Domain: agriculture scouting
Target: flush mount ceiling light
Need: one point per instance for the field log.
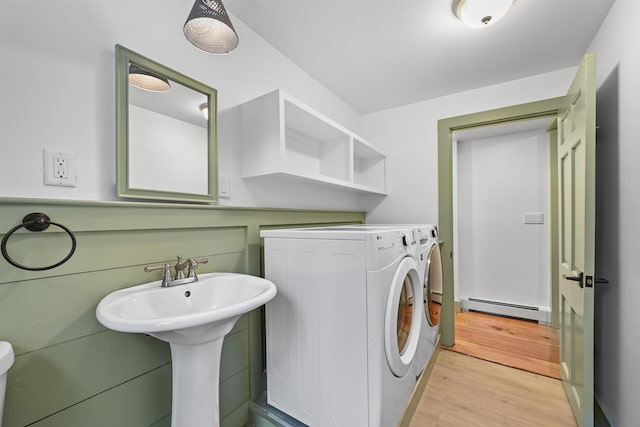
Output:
(204, 109)
(209, 28)
(145, 79)
(481, 13)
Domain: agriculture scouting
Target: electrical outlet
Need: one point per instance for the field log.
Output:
(59, 168)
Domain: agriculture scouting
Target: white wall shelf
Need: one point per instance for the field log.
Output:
(282, 136)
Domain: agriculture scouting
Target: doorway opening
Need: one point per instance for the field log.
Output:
(547, 109)
(503, 178)
(501, 209)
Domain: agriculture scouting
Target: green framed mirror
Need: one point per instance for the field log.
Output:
(165, 132)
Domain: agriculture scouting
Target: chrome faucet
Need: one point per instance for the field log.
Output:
(179, 267)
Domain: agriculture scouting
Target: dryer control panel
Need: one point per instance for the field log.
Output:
(391, 245)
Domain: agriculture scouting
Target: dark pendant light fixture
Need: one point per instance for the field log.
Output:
(209, 28)
(145, 79)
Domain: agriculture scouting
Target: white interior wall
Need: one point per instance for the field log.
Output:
(409, 136)
(500, 258)
(57, 91)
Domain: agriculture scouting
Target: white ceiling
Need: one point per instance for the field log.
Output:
(379, 54)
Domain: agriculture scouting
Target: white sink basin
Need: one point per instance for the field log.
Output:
(193, 318)
(153, 310)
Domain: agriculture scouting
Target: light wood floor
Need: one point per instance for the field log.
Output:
(474, 383)
(512, 342)
(467, 391)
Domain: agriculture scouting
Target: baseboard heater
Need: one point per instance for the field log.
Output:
(436, 296)
(507, 309)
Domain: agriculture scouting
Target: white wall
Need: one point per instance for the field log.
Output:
(617, 207)
(500, 258)
(57, 91)
(409, 136)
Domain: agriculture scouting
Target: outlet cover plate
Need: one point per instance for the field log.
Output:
(59, 168)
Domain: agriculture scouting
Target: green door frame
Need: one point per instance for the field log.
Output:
(446, 127)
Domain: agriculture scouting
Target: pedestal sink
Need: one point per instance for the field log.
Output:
(193, 318)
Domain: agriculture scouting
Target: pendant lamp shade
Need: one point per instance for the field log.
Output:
(145, 79)
(481, 13)
(209, 28)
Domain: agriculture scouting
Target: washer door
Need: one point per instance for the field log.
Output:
(402, 321)
(432, 290)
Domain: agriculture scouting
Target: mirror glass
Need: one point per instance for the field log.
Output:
(166, 132)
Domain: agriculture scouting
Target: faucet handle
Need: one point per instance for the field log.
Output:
(167, 272)
(193, 265)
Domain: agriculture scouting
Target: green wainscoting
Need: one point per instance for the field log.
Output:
(70, 371)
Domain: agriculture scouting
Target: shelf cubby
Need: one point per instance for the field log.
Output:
(282, 136)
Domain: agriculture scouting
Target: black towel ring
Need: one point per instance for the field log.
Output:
(36, 222)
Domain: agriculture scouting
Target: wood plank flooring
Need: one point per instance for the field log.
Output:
(470, 392)
(511, 342)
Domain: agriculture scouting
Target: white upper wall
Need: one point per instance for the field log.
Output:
(57, 91)
(409, 136)
(500, 257)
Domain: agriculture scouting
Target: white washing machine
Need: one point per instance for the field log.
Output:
(429, 264)
(426, 249)
(342, 333)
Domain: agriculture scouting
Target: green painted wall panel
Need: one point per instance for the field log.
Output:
(235, 353)
(164, 422)
(233, 393)
(70, 371)
(48, 380)
(257, 345)
(239, 417)
(128, 405)
(52, 310)
(115, 249)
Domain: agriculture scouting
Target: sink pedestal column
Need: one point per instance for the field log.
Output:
(196, 378)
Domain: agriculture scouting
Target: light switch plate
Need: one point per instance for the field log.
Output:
(534, 218)
(224, 186)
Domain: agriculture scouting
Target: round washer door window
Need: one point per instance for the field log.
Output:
(402, 322)
(433, 286)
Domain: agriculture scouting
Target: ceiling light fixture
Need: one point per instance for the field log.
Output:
(145, 79)
(204, 109)
(209, 28)
(481, 13)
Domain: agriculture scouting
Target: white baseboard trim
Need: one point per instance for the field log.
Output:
(539, 314)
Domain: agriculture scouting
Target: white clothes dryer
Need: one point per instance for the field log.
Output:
(342, 333)
(429, 264)
(424, 244)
